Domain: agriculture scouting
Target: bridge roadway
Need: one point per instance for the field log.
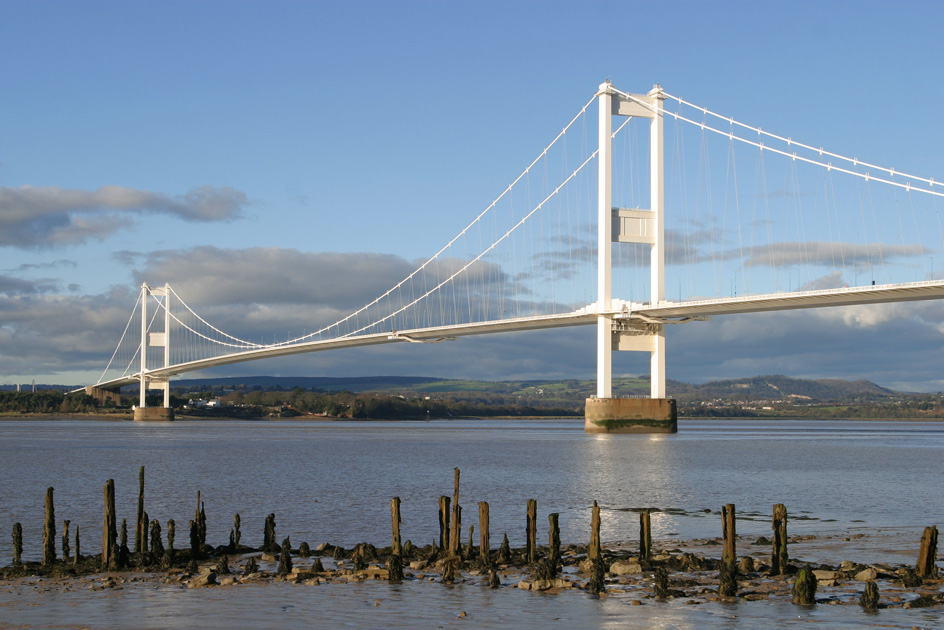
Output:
(664, 312)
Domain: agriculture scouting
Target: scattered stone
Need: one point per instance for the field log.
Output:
(823, 575)
(204, 579)
(625, 567)
(746, 565)
(866, 575)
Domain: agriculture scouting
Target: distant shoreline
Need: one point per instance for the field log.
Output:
(127, 416)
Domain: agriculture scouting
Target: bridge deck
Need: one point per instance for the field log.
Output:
(847, 296)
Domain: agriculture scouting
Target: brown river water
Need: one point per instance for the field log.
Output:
(859, 491)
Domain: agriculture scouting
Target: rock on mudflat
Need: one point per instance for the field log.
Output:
(625, 567)
(866, 575)
(543, 585)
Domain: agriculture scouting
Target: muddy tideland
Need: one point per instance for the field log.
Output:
(777, 578)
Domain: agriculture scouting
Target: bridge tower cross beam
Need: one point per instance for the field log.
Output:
(605, 414)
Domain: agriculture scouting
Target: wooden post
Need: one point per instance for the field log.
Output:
(171, 532)
(140, 529)
(268, 537)
(49, 531)
(804, 588)
(553, 538)
(66, 552)
(18, 544)
(444, 523)
(109, 529)
(728, 531)
(779, 558)
(456, 531)
(237, 535)
(78, 549)
(485, 550)
(926, 568)
(645, 535)
(870, 597)
(470, 550)
(594, 551)
(395, 523)
(531, 533)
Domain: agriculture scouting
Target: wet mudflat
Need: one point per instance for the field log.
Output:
(857, 492)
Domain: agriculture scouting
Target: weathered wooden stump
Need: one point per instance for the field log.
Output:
(140, 528)
(779, 558)
(109, 530)
(926, 567)
(660, 583)
(317, 567)
(171, 532)
(78, 549)
(66, 551)
(285, 558)
(504, 551)
(804, 588)
(157, 546)
(268, 536)
(201, 525)
(222, 565)
(729, 533)
(645, 536)
(49, 531)
(870, 596)
(395, 524)
(594, 551)
(727, 580)
(456, 531)
(485, 549)
(493, 580)
(237, 535)
(195, 548)
(18, 544)
(449, 570)
(553, 540)
(251, 567)
(395, 568)
(470, 550)
(304, 550)
(597, 582)
(123, 535)
(531, 532)
(444, 527)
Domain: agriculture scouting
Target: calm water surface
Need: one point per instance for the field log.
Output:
(332, 482)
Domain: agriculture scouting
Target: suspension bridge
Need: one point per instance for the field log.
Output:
(637, 196)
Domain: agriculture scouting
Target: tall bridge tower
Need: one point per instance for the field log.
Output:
(603, 413)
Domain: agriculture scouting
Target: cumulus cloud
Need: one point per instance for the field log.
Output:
(46, 216)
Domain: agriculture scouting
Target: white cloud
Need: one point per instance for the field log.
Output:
(46, 216)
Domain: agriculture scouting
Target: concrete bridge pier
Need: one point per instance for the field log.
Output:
(630, 415)
(160, 414)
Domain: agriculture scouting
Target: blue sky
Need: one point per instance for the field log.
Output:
(356, 129)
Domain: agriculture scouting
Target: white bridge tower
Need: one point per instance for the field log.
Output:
(605, 414)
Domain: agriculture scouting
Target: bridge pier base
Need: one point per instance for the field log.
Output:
(159, 414)
(630, 415)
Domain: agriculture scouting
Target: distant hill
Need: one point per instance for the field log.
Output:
(564, 392)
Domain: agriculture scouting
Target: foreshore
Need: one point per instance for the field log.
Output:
(687, 571)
